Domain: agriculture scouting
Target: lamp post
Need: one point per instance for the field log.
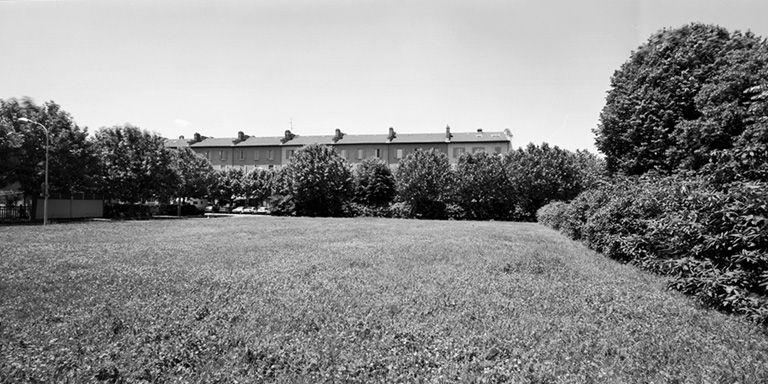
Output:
(45, 192)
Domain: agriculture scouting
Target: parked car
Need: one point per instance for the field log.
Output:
(238, 210)
(225, 209)
(249, 210)
(211, 209)
(262, 211)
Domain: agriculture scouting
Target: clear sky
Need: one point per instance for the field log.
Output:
(539, 68)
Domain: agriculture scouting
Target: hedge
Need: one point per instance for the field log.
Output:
(712, 239)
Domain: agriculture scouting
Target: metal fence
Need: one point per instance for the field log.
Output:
(15, 213)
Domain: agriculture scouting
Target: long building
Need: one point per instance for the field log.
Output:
(246, 151)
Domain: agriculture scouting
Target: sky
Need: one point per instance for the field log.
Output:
(539, 68)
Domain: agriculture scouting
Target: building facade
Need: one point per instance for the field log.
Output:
(250, 152)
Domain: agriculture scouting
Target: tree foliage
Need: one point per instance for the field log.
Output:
(22, 148)
(257, 184)
(134, 165)
(482, 188)
(318, 181)
(680, 98)
(424, 182)
(195, 173)
(374, 183)
(540, 174)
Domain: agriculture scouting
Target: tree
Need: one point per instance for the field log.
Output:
(228, 185)
(482, 188)
(540, 174)
(195, 173)
(374, 183)
(318, 181)
(424, 181)
(134, 165)
(72, 161)
(680, 98)
(257, 184)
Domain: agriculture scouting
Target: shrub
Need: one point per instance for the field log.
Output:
(400, 210)
(362, 210)
(552, 214)
(374, 183)
(424, 181)
(713, 239)
(482, 189)
(318, 181)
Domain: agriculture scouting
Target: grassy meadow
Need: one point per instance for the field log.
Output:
(254, 299)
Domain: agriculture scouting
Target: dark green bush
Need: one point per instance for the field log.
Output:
(374, 183)
(552, 214)
(712, 239)
(318, 180)
(482, 189)
(540, 174)
(424, 181)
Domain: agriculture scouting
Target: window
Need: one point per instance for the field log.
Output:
(360, 154)
(221, 155)
(478, 149)
(378, 153)
(208, 155)
(457, 152)
(289, 154)
(399, 153)
(497, 149)
(242, 154)
(255, 154)
(270, 154)
(344, 154)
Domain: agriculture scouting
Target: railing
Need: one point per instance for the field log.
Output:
(15, 213)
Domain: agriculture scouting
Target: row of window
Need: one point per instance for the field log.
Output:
(457, 152)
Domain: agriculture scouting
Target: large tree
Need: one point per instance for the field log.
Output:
(72, 162)
(374, 183)
(134, 165)
(318, 180)
(257, 184)
(482, 187)
(425, 181)
(195, 172)
(540, 174)
(680, 98)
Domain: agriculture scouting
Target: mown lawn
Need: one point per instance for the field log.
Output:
(370, 300)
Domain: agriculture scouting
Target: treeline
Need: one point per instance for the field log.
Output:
(131, 166)
(318, 182)
(685, 134)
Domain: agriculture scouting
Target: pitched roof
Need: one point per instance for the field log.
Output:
(216, 142)
(363, 139)
(311, 139)
(475, 137)
(176, 143)
(255, 141)
(405, 138)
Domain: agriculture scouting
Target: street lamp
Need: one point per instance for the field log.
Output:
(45, 192)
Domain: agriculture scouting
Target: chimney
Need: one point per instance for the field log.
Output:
(479, 130)
(288, 136)
(448, 134)
(198, 138)
(181, 137)
(338, 136)
(240, 136)
(392, 134)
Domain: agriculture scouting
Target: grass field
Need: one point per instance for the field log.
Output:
(370, 300)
